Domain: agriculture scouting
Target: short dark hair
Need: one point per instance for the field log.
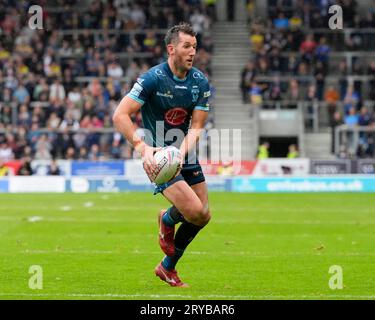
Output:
(173, 33)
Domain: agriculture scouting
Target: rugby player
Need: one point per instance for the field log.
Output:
(176, 93)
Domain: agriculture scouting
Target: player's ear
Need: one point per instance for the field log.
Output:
(170, 49)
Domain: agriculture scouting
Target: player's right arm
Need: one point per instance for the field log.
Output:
(124, 124)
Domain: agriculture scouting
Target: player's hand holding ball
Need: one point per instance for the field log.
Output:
(147, 154)
(160, 164)
(169, 164)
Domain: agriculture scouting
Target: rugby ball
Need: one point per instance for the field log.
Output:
(168, 164)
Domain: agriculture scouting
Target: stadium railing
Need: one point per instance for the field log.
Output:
(349, 137)
(312, 110)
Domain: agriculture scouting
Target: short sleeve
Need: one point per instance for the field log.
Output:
(204, 95)
(142, 88)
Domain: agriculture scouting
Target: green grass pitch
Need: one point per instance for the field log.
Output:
(257, 246)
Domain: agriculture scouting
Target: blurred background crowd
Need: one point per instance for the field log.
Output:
(294, 57)
(59, 85)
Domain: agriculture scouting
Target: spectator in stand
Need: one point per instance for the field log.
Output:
(199, 23)
(307, 48)
(365, 138)
(82, 154)
(292, 152)
(4, 170)
(364, 117)
(115, 71)
(57, 91)
(5, 116)
(25, 168)
(371, 72)
(263, 151)
(21, 95)
(351, 99)
(331, 97)
(294, 94)
(70, 153)
(322, 52)
(281, 22)
(256, 97)
(337, 120)
(247, 77)
(115, 151)
(40, 89)
(43, 148)
(54, 169)
(6, 153)
(94, 153)
(352, 118)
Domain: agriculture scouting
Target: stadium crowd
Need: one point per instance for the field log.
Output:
(291, 63)
(59, 85)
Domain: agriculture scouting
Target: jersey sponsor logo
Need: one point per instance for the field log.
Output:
(195, 94)
(197, 75)
(175, 116)
(159, 73)
(136, 90)
(165, 95)
(206, 94)
(180, 87)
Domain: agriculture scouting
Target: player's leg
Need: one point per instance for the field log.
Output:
(179, 194)
(188, 209)
(190, 227)
(186, 199)
(186, 202)
(195, 211)
(201, 191)
(169, 218)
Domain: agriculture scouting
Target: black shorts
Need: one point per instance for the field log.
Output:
(191, 173)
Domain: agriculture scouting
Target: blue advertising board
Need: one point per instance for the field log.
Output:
(4, 185)
(114, 184)
(306, 184)
(98, 168)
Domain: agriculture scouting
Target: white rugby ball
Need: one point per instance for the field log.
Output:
(168, 164)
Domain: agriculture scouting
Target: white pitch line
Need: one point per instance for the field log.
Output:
(210, 296)
(70, 251)
(151, 206)
(221, 221)
(215, 253)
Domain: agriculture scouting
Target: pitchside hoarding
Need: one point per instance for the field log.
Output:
(98, 168)
(365, 166)
(330, 166)
(3, 185)
(348, 183)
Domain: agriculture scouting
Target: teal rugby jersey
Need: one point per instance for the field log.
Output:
(169, 101)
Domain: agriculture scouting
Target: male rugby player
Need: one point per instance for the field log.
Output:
(176, 93)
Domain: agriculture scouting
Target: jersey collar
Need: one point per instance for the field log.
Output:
(172, 74)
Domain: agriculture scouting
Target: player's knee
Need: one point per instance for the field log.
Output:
(205, 217)
(201, 216)
(192, 212)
